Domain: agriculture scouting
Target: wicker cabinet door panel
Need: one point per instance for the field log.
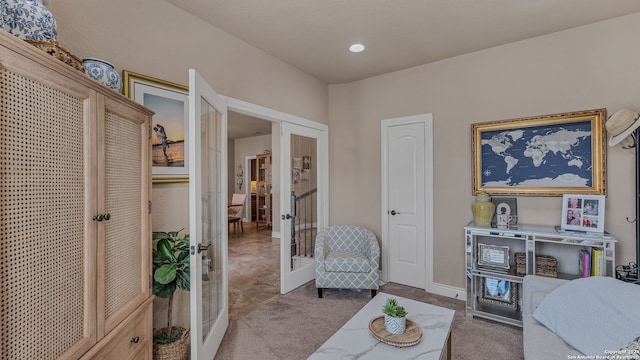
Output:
(47, 295)
(124, 245)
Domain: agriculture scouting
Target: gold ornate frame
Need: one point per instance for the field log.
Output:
(595, 118)
(130, 81)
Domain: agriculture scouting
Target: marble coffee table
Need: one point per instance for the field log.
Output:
(354, 341)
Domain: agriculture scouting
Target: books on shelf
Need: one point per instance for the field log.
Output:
(592, 262)
(597, 262)
(585, 262)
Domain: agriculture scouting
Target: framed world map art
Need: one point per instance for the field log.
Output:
(547, 155)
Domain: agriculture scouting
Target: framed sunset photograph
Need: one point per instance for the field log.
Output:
(169, 135)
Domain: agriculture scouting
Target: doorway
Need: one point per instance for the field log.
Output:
(254, 253)
(279, 172)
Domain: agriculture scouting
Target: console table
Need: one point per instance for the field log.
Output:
(494, 287)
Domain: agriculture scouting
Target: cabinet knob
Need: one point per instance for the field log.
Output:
(135, 339)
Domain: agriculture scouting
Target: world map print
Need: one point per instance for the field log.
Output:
(541, 156)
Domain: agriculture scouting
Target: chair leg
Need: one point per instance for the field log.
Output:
(373, 293)
(320, 293)
(241, 225)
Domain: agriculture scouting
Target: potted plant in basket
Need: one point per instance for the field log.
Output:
(170, 272)
(395, 317)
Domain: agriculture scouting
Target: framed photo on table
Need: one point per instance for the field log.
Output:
(499, 292)
(493, 256)
(582, 213)
(547, 155)
(507, 206)
(169, 140)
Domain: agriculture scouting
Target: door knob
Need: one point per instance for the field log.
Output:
(201, 248)
(393, 212)
(286, 217)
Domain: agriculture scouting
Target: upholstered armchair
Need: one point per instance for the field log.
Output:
(347, 257)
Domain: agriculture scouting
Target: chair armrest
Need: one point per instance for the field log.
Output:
(373, 250)
(320, 249)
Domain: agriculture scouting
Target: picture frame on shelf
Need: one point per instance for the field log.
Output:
(499, 292)
(546, 155)
(583, 213)
(507, 206)
(169, 140)
(493, 256)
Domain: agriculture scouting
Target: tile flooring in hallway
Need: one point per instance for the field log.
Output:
(254, 269)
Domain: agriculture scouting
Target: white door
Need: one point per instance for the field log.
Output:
(303, 199)
(207, 217)
(407, 201)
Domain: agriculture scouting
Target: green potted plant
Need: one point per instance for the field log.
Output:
(170, 272)
(395, 317)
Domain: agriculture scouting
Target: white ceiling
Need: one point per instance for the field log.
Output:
(313, 35)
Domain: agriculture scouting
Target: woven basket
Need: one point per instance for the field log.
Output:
(177, 350)
(545, 265)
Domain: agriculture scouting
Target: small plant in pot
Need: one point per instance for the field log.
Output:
(170, 272)
(395, 317)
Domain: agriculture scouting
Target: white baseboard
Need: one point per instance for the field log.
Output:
(449, 291)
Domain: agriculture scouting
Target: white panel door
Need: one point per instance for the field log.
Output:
(405, 200)
(207, 217)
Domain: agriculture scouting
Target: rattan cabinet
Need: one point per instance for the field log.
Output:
(75, 234)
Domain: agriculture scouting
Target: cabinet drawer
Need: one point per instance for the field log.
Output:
(128, 339)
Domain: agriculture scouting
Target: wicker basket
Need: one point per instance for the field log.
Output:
(54, 49)
(545, 265)
(177, 350)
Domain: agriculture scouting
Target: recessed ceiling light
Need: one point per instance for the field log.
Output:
(356, 48)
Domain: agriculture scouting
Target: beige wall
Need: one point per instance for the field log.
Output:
(590, 67)
(155, 38)
(595, 66)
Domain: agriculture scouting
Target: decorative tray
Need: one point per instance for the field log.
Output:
(412, 334)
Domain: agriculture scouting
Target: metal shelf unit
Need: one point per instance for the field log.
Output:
(531, 240)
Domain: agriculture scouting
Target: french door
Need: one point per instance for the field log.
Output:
(207, 217)
(303, 199)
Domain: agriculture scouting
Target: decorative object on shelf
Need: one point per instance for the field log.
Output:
(395, 317)
(493, 256)
(170, 102)
(54, 49)
(545, 155)
(28, 20)
(412, 334)
(582, 213)
(170, 272)
(482, 209)
(504, 203)
(102, 72)
(546, 265)
(239, 179)
(267, 151)
(499, 292)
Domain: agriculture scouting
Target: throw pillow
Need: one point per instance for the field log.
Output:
(595, 315)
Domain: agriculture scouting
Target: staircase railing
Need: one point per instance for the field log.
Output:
(303, 226)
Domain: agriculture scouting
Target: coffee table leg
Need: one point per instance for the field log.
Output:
(449, 347)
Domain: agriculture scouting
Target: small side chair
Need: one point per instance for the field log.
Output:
(347, 257)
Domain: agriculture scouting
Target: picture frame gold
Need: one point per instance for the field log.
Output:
(547, 155)
(170, 102)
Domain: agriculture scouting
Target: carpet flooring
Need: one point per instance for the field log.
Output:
(267, 326)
